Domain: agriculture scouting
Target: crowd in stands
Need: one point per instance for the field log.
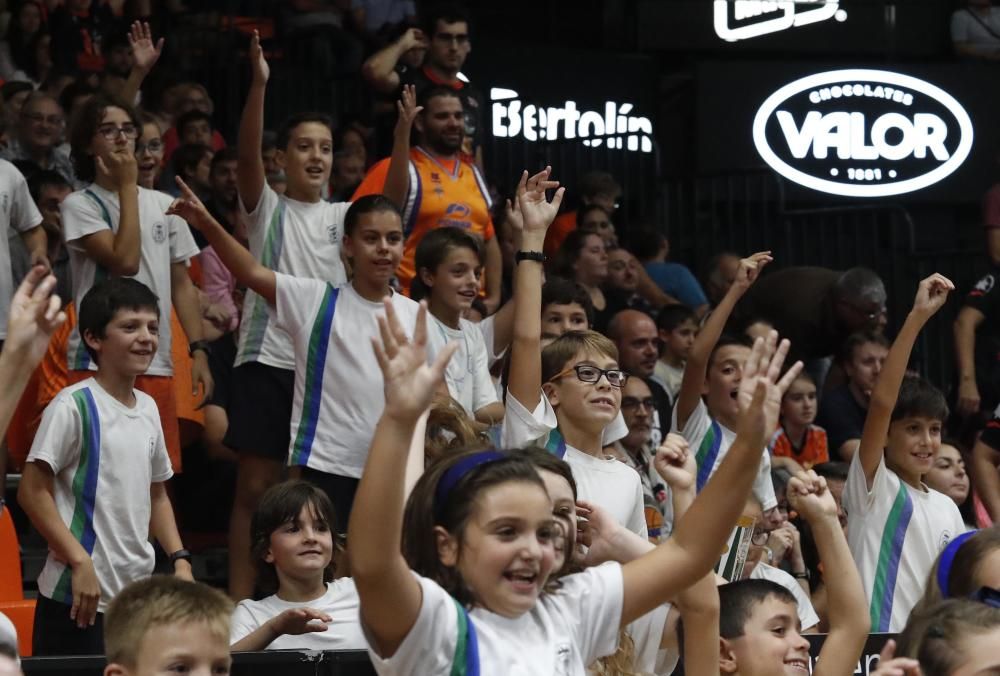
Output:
(465, 431)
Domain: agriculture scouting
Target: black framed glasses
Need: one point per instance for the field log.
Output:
(630, 403)
(152, 146)
(588, 373)
(110, 132)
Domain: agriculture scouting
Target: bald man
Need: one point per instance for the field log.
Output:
(635, 335)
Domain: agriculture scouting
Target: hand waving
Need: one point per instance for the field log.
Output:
(410, 383)
(407, 109)
(537, 213)
(750, 268)
(761, 389)
(34, 315)
(145, 53)
(258, 64)
(932, 295)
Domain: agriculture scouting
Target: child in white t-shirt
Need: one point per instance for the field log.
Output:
(449, 263)
(896, 525)
(677, 327)
(337, 389)
(293, 545)
(714, 369)
(478, 548)
(93, 485)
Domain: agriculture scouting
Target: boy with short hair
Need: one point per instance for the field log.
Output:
(195, 127)
(93, 485)
(714, 369)
(677, 326)
(567, 397)
(296, 234)
(156, 623)
(758, 622)
(337, 399)
(566, 306)
(896, 525)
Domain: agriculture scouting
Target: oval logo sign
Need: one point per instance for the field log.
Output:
(862, 133)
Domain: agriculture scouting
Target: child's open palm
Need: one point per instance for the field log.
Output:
(295, 621)
(932, 294)
(410, 382)
(761, 377)
(537, 213)
(145, 53)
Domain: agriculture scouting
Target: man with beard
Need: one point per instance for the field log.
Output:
(443, 188)
(222, 188)
(39, 132)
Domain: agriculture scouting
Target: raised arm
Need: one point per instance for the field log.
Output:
(697, 363)
(250, 173)
(397, 177)
(119, 252)
(964, 328)
(145, 54)
(247, 270)
(847, 605)
(700, 535)
(380, 68)
(390, 595)
(931, 296)
(525, 383)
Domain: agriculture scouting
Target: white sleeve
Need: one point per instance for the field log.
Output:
(487, 328)
(857, 498)
(637, 520)
(429, 647)
(484, 393)
(160, 460)
(242, 623)
(647, 635)
(522, 427)
(763, 486)
(57, 442)
(807, 614)
(182, 244)
(295, 301)
(594, 598)
(696, 425)
(24, 214)
(81, 216)
(257, 220)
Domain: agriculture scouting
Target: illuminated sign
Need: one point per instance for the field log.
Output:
(862, 133)
(616, 127)
(742, 19)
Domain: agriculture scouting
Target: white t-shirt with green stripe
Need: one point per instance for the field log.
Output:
(17, 214)
(339, 393)
(895, 532)
(104, 456)
(163, 241)
(295, 238)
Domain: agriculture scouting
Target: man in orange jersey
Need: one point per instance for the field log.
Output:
(440, 187)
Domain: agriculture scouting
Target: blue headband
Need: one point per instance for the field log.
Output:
(947, 558)
(456, 472)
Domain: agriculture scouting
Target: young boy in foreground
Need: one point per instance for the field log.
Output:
(165, 625)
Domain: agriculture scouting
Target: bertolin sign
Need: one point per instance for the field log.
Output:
(741, 19)
(614, 123)
(862, 133)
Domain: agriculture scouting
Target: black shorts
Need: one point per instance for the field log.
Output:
(260, 411)
(54, 633)
(341, 491)
(220, 362)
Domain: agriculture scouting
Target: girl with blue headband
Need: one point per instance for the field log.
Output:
(468, 593)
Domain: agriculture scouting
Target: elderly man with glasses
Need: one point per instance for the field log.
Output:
(39, 134)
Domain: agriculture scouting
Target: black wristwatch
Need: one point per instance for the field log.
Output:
(537, 256)
(202, 345)
(180, 554)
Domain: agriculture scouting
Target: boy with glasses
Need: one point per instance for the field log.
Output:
(567, 397)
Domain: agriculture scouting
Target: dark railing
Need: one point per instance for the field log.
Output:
(266, 663)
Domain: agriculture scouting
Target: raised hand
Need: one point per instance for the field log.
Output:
(750, 268)
(407, 110)
(809, 496)
(121, 167)
(34, 316)
(763, 367)
(410, 383)
(145, 53)
(932, 295)
(189, 207)
(597, 531)
(888, 665)
(537, 213)
(295, 621)
(413, 38)
(258, 64)
(675, 462)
